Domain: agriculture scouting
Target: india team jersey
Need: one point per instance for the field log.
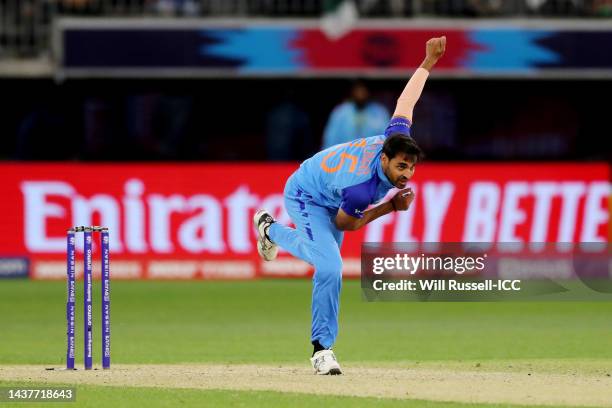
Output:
(349, 175)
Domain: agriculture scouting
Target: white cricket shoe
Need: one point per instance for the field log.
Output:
(266, 248)
(324, 363)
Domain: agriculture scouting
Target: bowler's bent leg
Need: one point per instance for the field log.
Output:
(320, 248)
(316, 241)
(294, 240)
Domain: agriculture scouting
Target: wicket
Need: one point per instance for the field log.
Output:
(87, 296)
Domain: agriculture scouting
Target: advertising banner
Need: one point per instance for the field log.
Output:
(194, 221)
(161, 48)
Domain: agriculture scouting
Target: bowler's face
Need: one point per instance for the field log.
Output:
(400, 169)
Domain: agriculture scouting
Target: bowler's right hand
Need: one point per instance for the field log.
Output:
(402, 199)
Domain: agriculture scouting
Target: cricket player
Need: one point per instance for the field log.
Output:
(330, 193)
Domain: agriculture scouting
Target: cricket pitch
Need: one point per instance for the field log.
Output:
(516, 385)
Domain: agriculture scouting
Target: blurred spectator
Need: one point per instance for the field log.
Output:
(177, 7)
(158, 125)
(519, 133)
(602, 8)
(556, 7)
(288, 131)
(143, 126)
(99, 128)
(139, 121)
(358, 117)
(78, 7)
(172, 120)
(45, 133)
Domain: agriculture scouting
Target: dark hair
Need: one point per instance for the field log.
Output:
(400, 143)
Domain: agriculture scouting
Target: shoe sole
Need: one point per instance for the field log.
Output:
(261, 253)
(259, 244)
(255, 218)
(333, 371)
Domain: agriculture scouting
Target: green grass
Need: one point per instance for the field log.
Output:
(269, 321)
(98, 396)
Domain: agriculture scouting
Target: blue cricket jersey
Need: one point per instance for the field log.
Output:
(349, 175)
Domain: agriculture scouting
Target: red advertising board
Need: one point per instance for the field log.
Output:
(193, 221)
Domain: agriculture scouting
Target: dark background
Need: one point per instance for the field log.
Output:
(230, 119)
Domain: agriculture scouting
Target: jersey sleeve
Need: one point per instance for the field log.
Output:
(355, 200)
(398, 125)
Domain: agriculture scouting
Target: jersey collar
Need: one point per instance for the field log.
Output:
(381, 174)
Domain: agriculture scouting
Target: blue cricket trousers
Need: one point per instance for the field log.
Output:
(317, 241)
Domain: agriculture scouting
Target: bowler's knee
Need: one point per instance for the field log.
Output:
(328, 267)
